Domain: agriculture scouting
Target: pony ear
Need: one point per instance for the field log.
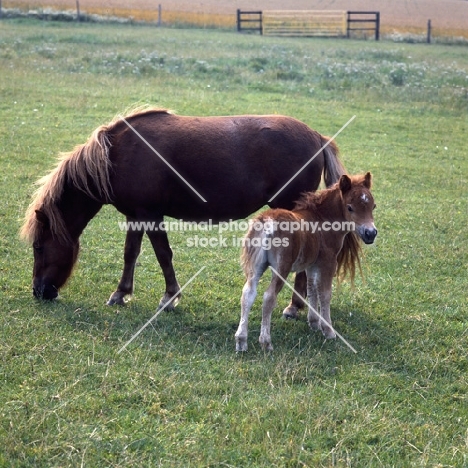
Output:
(368, 180)
(345, 183)
(42, 218)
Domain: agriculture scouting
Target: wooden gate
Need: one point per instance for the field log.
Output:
(304, 23)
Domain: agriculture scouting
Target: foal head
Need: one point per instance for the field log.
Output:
(53, 260)
(359, 204)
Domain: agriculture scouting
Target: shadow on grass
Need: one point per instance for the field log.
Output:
(195, 328)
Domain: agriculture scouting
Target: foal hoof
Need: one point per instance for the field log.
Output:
(117, 298)
(241, 346)
(290, 312)
(329, 334)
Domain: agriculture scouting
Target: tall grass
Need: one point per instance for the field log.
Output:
(178, 395)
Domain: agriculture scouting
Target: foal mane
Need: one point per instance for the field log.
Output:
(349, 256)
(86, 168)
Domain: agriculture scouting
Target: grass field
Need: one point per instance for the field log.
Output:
(179, 395)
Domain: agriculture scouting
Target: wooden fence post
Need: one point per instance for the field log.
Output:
(428, 31)
(159, 15)
(78, 11)
(377, 25)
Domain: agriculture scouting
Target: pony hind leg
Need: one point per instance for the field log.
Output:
(249, 293)
(269, 303)
(131, 251)
(297, 300)
(163, 252)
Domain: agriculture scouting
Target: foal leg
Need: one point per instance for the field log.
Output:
(324, 295)
(269, 303)
(131, 252)
(313, 315)
(249, 292)
(163, 252)
(297, 302)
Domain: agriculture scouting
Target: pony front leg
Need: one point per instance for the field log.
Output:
(249, 292)
(313, 315)
(163, 252)
(132, 250)
(324, 295)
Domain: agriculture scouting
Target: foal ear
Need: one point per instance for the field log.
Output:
(345, 183)
(368, 180)
(42, 217)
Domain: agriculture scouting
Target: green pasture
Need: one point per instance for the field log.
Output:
(178, 395)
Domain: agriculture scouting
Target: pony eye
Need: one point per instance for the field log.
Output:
(350, 208)
(38, 248)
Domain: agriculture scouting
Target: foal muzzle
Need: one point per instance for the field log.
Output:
(368, 235)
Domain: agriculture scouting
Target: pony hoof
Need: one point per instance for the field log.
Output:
(166, 303)
(117, 298)
(266, 345)
(315, 326)
(290, 312)
(329, 334)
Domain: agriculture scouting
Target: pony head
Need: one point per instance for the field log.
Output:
(53, 259)
(359, 204)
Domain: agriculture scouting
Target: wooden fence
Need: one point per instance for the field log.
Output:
(309, 23)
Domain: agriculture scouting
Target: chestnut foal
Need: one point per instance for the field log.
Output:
(309, 238)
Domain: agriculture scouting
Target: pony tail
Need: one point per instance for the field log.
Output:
(333, 168)
(253, 256)
(349, 258)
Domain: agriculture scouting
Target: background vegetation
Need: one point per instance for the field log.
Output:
(400, 21)
(179, 395)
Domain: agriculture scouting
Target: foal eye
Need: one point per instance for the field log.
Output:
(350, 208)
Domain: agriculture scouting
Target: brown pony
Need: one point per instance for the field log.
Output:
(152, 163)
(309, 239)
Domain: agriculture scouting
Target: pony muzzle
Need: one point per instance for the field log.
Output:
(368, 234)
(43, 292)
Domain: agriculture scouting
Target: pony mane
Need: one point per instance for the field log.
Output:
(310, 200)
(86, 168)
(349, 256)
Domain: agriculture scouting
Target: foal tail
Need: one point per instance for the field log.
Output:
(333, 168)
(254, 257)
(349, 256)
